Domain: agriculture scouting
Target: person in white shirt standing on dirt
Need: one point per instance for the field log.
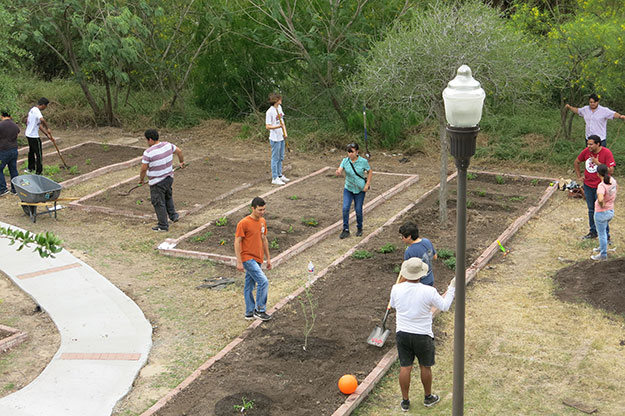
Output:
(34, 122)
(274, 122)
(157, 164)
(596, 117)
(413, 302)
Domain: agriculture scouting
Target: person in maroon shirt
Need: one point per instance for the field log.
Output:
(592, 156)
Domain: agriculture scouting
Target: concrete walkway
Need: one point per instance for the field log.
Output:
(105, 338)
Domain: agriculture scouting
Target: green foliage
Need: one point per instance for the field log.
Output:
(221, 221)
(51, 171)
(362, 254)
(396, 268)
(73, 170)
(273, 244)
(387, 248)
(481, 193)
(202, 237)
(311, 222)
(246, 405)
(534, 182)
(450, 263)
(500, 179)
(519, 198)
(471, 176)
(88, 162)
(445, 253)
(46, 243)
(293, 197)
(470, 204)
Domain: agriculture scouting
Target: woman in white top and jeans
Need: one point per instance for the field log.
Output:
(604, 209)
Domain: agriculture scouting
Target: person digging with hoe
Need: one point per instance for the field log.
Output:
(413, 302)
(34, 122)
(157, 164)
(251, 247)
(592, 156)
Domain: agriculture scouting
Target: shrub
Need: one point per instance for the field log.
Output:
(445, 253)
(450, 263)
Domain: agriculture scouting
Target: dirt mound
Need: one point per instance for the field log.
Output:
(598, 283)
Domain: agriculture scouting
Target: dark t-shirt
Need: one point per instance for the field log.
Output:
(8, 134)
(423, 250)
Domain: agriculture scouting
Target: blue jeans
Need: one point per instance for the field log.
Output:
(277, 156)
(8, 158)
(254, 276)
(359, 200)
(591, 197)
(601, 220)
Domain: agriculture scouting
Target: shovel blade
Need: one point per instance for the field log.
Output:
(378, 336)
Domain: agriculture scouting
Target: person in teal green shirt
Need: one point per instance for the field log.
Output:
(357, 183)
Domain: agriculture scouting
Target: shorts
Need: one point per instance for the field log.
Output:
(410, 346)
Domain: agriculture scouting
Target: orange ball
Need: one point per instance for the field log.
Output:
(348, 384)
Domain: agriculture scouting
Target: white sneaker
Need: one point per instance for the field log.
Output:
(277, 181)
(284, 179)
(598, 257)
(598, 250)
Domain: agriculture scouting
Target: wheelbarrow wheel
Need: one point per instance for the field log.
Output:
(29, 210)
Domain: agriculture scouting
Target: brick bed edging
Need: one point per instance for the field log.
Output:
(365, 387)
(13, 340)
(97, 172)
(78, 204)
(168, 247)
(44, 144)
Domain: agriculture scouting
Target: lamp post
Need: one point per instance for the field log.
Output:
(463, 100)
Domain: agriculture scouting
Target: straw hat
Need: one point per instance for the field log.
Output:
(414, 269)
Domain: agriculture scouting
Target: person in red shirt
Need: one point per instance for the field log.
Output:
(592, 156)
(251, 247)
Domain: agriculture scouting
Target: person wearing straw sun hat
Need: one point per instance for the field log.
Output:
(413, 302)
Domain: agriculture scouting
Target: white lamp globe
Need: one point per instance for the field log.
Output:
(464, 99)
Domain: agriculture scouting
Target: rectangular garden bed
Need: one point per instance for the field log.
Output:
(203, 182)
(87, 160)
(10, 337)
(298, 215)
(267, 364)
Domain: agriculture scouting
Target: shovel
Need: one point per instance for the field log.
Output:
(378, 336)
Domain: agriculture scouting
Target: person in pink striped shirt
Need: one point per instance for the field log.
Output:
(157, 164)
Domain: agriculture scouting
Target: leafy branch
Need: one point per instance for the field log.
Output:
(47, 244)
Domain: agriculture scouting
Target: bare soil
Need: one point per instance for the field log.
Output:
(87, 158)
(202, 181)
(597, 283)
(350, 300)
(298, 212)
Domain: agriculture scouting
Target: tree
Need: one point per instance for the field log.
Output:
(317, 40)
(178, 34)
(96, 39)
(409, 69)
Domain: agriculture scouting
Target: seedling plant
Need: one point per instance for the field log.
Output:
(202, 237)
(471, 176)
(362, 254)
(273, 244)
(246, 405)
(221, 221)
(293, 197)
(500, 179)
(387, 248)
(311, 222)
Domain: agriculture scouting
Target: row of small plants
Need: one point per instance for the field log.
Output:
(446, 255)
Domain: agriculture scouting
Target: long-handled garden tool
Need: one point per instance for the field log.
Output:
(283, 127)
(378, 336)
(59, 152)
(364, 122)
(141, 184)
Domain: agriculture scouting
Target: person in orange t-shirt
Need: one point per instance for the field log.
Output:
(251, 247)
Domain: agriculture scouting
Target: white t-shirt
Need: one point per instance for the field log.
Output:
(413, 303)
(271, 118)
(32, 125)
